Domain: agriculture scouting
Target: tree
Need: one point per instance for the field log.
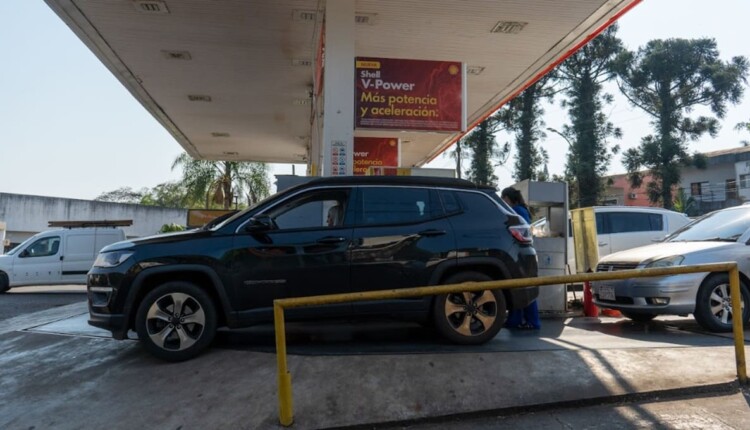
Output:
(219, 182)
(667, 79)
(582, 76)
(169, 195)
(482, 146)
(122, 195)
(523, 115)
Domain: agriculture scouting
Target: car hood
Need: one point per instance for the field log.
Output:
(156, 239)
(668, 249)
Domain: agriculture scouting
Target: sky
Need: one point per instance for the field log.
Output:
(68, 128)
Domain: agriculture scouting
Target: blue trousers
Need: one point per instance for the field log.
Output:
(528, 315)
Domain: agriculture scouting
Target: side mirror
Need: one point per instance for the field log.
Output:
(260, 223)
(24, 253)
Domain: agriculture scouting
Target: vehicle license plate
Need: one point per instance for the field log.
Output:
(606, 292)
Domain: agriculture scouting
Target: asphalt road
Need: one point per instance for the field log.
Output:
(25, 300)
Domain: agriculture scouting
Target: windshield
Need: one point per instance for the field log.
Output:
(218, 224)
(724, 225)
(21, 246)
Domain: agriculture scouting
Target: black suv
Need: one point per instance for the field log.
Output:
(330, 235)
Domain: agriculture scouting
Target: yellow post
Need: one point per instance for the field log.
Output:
(286, 415)
(739, 333)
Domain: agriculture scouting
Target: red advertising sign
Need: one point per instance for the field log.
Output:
(374, 151)
(409, 94)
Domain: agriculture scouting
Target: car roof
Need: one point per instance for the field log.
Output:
(397, 180)
(611, 208)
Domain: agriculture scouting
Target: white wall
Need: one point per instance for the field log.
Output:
(26, 215)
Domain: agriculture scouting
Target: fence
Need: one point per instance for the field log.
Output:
(286, 416)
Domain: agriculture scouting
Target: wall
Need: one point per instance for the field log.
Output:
(26, 215)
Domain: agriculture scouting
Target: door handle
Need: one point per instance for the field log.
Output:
(62, 257)
(331, 239)
(431, 232)
(602, 243)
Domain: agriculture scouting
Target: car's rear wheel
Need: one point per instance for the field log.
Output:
(713, 306)
(176, 321)
(638, 316)
(469, 318)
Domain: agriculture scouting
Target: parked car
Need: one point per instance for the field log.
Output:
(58, 256)
(330, 235)
(720, 236)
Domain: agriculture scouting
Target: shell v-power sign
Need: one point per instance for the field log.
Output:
(398, 94)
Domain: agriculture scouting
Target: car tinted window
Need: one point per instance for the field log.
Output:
(450, 203)
(727, 225)
(314, 209)
(395, 205)
(628, 222)
(478, 205)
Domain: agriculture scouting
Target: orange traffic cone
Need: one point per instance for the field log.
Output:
(589, 308)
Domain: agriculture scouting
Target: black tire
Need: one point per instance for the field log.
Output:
(713, 306)
(638, 317)
(4, 283)
(180, 340)
(461, 319)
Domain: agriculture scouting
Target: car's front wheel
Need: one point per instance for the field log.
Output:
(469, 318)
(176, 321)
(713, 305)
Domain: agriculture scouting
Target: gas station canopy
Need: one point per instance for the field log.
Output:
(235, 79)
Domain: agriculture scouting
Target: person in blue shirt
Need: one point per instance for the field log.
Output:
(528, 317)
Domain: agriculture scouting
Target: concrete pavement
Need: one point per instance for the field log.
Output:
(59, 373)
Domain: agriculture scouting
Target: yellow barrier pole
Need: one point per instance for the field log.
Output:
(286, 415)
(285, 380)
(739, 333)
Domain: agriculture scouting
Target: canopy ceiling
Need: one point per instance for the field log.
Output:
(231, 79)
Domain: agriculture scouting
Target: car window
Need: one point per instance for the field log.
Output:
(629, 222)
(726, 225)
(450, 203)
(44, 247)
(479, 205)
(314, 209)
(396, 205)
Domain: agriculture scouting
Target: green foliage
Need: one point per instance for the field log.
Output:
(223, 183)
(668, 79)
(581, 77)
(482, 146)
(168, 228)
(523, 116)
(684, 203)
(123, 195)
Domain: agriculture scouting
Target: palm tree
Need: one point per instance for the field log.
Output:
(219, 182)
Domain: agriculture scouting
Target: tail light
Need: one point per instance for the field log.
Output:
(521, 233)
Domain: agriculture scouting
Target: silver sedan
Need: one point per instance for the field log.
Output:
(720, 236)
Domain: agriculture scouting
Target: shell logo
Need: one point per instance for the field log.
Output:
(453, 69)
(392, 142)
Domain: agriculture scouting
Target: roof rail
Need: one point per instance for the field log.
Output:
(93, 223)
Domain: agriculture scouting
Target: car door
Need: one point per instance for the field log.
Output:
(400, 238)
(303, 252)
(39, 263)
(78, 256)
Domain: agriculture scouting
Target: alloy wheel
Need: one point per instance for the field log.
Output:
(175, 321)
(471, 314)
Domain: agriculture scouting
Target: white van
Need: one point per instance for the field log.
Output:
(624, 227)
(61, 256)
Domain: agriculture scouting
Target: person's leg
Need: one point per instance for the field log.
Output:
(515, 318)
(531, 315)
